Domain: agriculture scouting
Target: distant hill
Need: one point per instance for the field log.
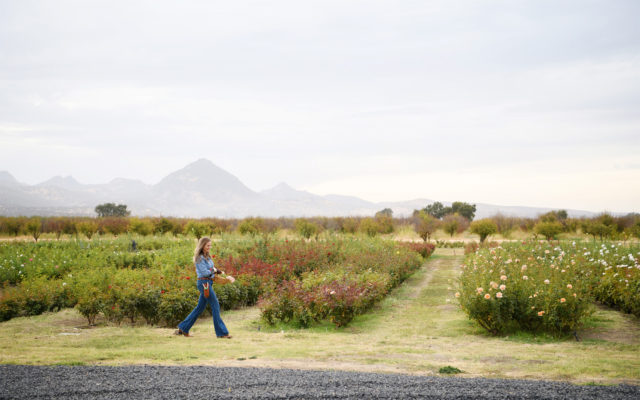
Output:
(202, 189)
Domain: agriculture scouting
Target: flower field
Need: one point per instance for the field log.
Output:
(333, 279)
(547, 286)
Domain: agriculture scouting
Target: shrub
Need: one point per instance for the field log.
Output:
(369, 226)
(426, 225)
(548, 229)
(10, 303)
(197, 229)
(87, 228)
(305, 228)
(175, 305)
(483, 228)
(424, 249)
(142, 227)
(533, 287)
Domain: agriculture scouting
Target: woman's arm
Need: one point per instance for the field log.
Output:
(204, 268)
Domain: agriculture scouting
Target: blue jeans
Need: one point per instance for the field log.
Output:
(218, 325)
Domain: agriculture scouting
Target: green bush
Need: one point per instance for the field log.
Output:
(483, 228)
(532, 286)
(176, 305)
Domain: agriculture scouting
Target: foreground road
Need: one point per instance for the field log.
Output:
(158, 382)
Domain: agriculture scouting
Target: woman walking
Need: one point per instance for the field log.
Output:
(205, 271)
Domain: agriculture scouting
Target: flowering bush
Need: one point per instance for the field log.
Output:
(530, 287)
(370, 270)
(546, 286)
(423, 248)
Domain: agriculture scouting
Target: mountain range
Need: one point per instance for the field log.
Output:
(202, 189)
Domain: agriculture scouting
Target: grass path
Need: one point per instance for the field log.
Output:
(416, 330)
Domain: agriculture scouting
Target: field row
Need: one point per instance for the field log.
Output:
(293, 281)
(548, 286)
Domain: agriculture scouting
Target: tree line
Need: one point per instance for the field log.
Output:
(115, 220)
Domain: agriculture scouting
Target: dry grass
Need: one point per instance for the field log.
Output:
(415, 330)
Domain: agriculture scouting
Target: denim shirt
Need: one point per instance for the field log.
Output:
(204, 267)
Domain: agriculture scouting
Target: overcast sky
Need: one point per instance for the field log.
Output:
(532, 103)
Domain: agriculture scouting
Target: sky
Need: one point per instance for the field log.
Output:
(515, 102)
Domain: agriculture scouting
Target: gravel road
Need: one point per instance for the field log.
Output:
(160, 382)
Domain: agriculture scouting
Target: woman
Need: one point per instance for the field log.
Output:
(205, 271)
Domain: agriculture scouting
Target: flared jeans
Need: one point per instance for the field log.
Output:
(218, 325)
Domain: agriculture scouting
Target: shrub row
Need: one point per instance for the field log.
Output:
(367, 272)
(541, 286)
(157, 285)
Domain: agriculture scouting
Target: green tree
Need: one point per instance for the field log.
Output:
(196, 228)
(387, 212)
(369, 226)
(306, 228)
(14, 226)
(465, 209)
(349, 225)
(70, 227)
(425, 225)
(251, 226)
(437, 210)
(178, 228)
(141, 226)
(34, 227)
(548, 229)
(87, 228)
(483, 228)
(112, 210)
(162, 226)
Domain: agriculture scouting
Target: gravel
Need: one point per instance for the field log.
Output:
(199, 382)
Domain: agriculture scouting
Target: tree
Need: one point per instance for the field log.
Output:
(178, 228)
(505, 224)
(465, 209)
(454, 223)
(196, 228)
(113, 225)
(483, 228)
(162, 226)
(251, 226)
(54, 225)
(437, 210)
(548, 229)
(426, 225)
(87, 228)
(385, 223)
(369, 226)
(141, 226)
(112, 210)
(70, 228)
(635, 229)
(562, 215)
(387, 212)
(34, 227)
(13, 226)
(306, 228)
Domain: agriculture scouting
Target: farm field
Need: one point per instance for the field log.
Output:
(418, 329)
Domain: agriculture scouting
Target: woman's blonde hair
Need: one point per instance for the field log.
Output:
(198, 252)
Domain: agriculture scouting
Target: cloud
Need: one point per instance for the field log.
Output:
(328, 95)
